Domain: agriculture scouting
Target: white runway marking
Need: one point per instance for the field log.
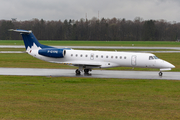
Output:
(94, 73)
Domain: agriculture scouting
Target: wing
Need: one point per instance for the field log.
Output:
(88, 64)
(85, 64)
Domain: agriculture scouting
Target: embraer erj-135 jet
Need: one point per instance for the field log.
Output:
(87, 60)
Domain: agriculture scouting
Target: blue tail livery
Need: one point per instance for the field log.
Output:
(29, 39)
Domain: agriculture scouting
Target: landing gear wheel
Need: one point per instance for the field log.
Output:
(78, 72)
(86, 71)
(160, 73)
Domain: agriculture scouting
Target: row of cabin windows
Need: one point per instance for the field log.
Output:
(101, 56)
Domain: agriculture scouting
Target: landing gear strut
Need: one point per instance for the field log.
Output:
(160, 73)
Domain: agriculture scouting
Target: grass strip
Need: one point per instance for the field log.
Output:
(23, 49)
(88, 98)
(99, 43)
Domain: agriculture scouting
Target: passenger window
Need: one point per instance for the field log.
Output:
(125, 57)
(71, 55)
(76, 55)
(106, 56)
(120, 57)
(111, 56)
(81, 55)
(101, 56)
(116, 57)
(96, 56)
(86, 55)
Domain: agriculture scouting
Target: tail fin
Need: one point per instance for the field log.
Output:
(29, 39)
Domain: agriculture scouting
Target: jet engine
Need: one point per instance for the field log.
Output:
(52, 52)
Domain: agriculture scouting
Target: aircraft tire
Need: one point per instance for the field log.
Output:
(160, 73)
(86, 71)
(78, 72)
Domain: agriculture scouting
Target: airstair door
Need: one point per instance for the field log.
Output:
(133, 60)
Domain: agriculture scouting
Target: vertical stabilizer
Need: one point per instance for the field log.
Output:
(30, 40)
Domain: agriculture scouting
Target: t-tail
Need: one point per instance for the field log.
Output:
(34, 48)
(30, 40)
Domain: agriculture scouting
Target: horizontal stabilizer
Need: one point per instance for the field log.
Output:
(21, 31)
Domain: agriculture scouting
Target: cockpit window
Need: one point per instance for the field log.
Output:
(153, 57)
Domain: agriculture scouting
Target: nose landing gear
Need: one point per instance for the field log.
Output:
(160, 73)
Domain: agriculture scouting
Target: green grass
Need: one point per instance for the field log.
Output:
(98, 43)
(23, 60)
(88, 98)
(127, 49)
(12, 49)
(23, 49)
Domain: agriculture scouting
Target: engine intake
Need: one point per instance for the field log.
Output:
(52, 52)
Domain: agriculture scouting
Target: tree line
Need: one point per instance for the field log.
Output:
(98, 30)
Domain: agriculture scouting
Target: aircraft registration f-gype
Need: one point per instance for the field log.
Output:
(87, 60)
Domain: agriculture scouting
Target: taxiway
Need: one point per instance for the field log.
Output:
(93, 74)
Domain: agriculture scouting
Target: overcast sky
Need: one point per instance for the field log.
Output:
(76, 9)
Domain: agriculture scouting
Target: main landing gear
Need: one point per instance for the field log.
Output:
(78, 72)
(86, 71)
(160, 73)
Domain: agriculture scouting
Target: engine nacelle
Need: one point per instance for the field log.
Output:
(52, 52)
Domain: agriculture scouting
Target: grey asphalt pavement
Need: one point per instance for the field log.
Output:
(94, 74)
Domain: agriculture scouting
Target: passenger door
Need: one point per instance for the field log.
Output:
(133, 60)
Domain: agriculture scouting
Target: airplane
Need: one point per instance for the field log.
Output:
(86, 60)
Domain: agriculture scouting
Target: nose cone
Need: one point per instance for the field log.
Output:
(169, 65)
(166, 64)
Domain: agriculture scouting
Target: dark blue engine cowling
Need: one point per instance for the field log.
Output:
(52, 52)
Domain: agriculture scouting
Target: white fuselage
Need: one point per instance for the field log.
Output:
(106, 59)
(86, 60)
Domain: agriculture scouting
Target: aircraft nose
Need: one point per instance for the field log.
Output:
(164, 64)
(168, 65)
(172, 66)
